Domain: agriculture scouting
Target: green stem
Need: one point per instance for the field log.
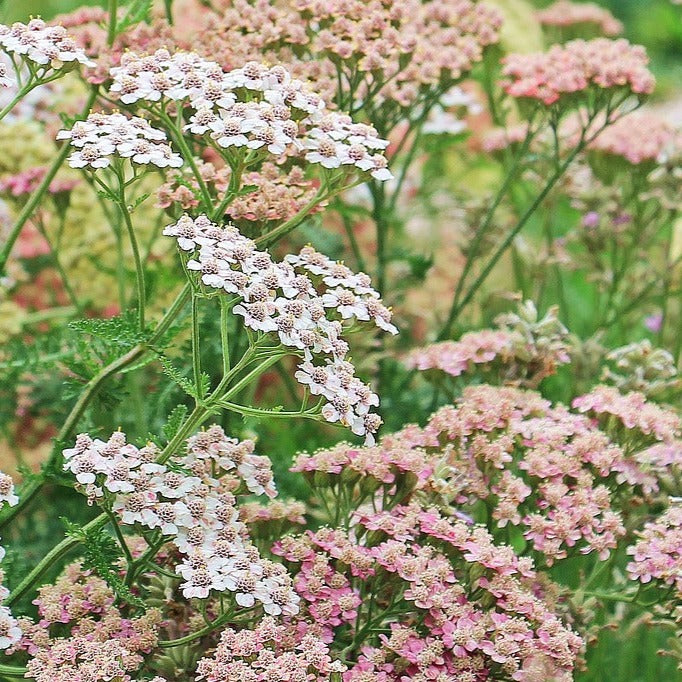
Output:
(170, 643)
(12, 671)
(179, 139)
(224, 334)
(481, 230)
(196, 356)
(111, 32)
(53, 555)
(37, 195)
(458, 307)
(286, 227)
(139, 267)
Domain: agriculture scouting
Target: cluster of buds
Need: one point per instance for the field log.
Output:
(280, 194)
(361, 52)
(282, 299)
(196, 512)
(102, 136)
(524, 348)
(641, 367)
(642, 138)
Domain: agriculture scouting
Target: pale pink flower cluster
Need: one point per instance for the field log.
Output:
(102, 136)
(28, 180)
(643, 137)
(291, 511)
(268, 652)
(657, 555)
(251, 108)
(279, 193)
(549, 471)
(575, 67)
(498, 139)
(632, 411)
(45, 45)
(563, 13)
(81, 634)
(398, 50)
(421, 557)
(196, 512)
(282, 299)
(391, 462)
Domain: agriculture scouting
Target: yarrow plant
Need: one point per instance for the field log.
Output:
(374, 255)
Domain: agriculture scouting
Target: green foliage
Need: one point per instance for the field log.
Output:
(102, 554)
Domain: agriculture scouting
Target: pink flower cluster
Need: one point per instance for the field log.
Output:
(252, 108)
(657, 555)
(28, 180)
(82, 635)
(414, 567)
(577, 66)
(549, 471)
(196, 512)
(564, 13)
(631, 412)
(47, 46)
(279, 194)
(642, 137)
(102, 136)
(282, 298)
(268, 652)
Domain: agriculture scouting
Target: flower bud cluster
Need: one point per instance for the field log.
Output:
(283, 299)
(525, 348)
(640, 138)
(398, 51)
(641, 367)
(632, 412)
(196, 510)
(102, 136)
(279, 194)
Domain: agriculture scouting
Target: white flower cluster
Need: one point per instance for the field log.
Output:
(196, 510)
(101, 136)
(10, 633)
(42, 44)
(283, 299)
(253, 107)
(6, 81)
